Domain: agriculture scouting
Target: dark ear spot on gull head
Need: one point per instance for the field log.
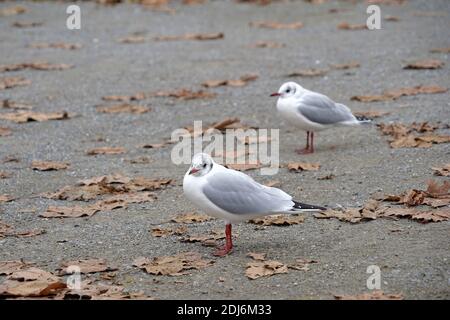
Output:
(201, 164)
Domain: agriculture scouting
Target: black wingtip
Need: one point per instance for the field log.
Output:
(305, 206)
(363, 119)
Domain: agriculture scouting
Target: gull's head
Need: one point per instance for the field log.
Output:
(287, 90)
(201, 164)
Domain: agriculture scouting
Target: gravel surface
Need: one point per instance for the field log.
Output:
(414, 261)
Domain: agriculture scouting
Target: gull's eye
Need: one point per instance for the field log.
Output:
(204, 165)
(288, 90)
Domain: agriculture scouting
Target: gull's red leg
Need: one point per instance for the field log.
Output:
(307, 149)
(228, 244)
(312, 142)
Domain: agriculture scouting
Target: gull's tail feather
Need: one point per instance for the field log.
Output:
(304, 207)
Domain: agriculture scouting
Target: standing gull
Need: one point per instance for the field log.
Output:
(234, 196)
(311, 111)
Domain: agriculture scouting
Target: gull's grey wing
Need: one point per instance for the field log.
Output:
(237, 193)
(319, 108)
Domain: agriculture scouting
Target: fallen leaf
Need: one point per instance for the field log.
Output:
(48, 165)
(308, 73)
(273, 183)
(3, 174)
(371, 114)
(391, 18)
(373, 295)
(440, 50)
(191, 217)
(386, 2)
(69, 212)
(9, 267)
(5, 198)
(302, 264)
(205, 239)
(4, 132)
(122, 108)
(244, 166)
(439, 171)
(8, 104)
(267, 44)
(28, 116)
(397, 93)
(276, 25)
(133, 39)
(327, 177)
(425, 64)
(176, 265)
(11, 82)
(136, 97)
(154, 145)
(348, 26)
(185, 94)
(345, 66)
(192, 36)
(11, 11)
(303, 166)
(161, 233)
(258, 269)
(105, 150)
(242, 81)
(56, 45)
(352, 215)
(85, 266)
(139, 160)
(37, 65)
(279, 220)
(27, 24)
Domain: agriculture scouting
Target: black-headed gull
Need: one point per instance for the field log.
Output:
(311, 111)
(234, 196)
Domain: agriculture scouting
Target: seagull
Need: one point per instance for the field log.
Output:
(312, 111)
(234, 196)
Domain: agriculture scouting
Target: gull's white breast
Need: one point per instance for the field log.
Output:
(287, 108)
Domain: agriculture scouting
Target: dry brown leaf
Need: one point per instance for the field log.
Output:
(352, 215)
(402, 135)
(5, 198)
(133, 39)
(258, 269)
(9, 267)
(161, 233)
(327, 177)
(440, 50)
(257, 256)
(258, 2)
(105, 150)
(8, 104)
(11, 11)
(302, 264)
(434, 215)
(279, 220)
(205, 239)
(345, 66)
(308, 73)
(303, 166)
(242, 81)
(244, 166)
(442, 171)
(69, 212)
(56, 45)
(348, 26)
(122, 108)
(276, 25)
(11, 82)
(185, 94)
(192, 36)
(3, 174)
(425, 64)
(191, 217)
(267, 44)
(391, 18)
(136, 97)
(373, 295)
(386, 2)
(176, 265)
(86, 266)
(139, 160)
(27, 24)
(48, 165)
(371, 114)
(28, 116)
(4, 132)
(37, 65)
(273, 183)
(154, 145)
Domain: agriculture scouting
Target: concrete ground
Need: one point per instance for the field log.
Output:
(413, 261)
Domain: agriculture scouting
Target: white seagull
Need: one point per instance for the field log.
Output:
(234, 196)
(311, 111)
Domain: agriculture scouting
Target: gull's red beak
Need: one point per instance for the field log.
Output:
(193, 170)
(276, 94)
